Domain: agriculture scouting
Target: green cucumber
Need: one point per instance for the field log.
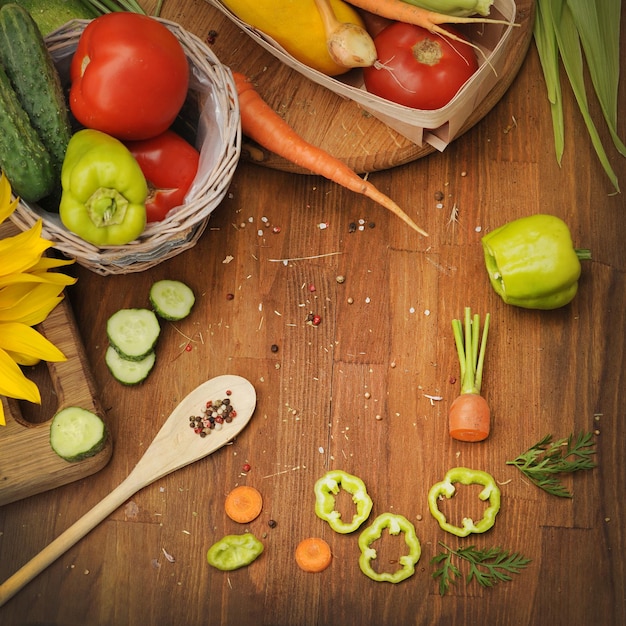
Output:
(23, 157)
(128, 372)
(77, 434)
(51, 14)
(133, 333)
(172, 300)
(35, 80)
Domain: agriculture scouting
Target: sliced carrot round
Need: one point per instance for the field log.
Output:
(313, 554)
(243, 504)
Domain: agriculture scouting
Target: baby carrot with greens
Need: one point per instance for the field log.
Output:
(469, 415)
(263, 125)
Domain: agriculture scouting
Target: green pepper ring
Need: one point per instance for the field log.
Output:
(466, 476)
(325, 490)
(396, 524)
(234, 551)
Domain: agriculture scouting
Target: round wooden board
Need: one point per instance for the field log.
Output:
(337, 125)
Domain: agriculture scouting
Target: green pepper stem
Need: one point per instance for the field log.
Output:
(471, 350)
(583, 254)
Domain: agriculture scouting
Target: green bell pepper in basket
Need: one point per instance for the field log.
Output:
(104, 190)
(327, 487)
(532, 262)
(395, 524)
(446, 488)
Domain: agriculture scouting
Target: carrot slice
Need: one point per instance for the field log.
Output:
(243, 504)
(313, 554)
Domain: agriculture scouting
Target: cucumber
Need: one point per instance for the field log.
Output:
(51, 14)
(35, 80)
(133, 333)
(77, 434)
(128, 372)
(23, 157)
(172, 300)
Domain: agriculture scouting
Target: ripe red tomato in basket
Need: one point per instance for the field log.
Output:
(419, 69)
(129, 76)
(170, 165)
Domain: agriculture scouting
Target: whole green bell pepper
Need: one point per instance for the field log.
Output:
(532, 262)
(395, 524)
(234, 551)
(104, 190)
(327, 487)
(465, 476)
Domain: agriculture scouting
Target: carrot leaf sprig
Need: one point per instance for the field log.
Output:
(488, 566)
(545, 461)
(471, 350)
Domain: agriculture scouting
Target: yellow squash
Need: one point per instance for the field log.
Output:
(297, 26)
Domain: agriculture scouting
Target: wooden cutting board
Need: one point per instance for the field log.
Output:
(324, 118)
(28, 465)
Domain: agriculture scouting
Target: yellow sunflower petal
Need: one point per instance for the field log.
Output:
(34, 305)
(13, 383)
(23, 359)
(22, 338)
(6, 205)
(20, 252)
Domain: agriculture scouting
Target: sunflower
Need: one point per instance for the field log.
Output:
(28, 293)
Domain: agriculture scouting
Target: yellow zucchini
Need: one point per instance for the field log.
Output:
(297, 26)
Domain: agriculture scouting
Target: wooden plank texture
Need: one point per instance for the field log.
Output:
(384, 348)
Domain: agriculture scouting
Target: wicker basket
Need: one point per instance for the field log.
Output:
(212, 100)
(438, 127)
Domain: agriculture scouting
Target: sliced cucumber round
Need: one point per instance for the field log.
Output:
(133, 333)
(128, 372)
(172, 300)
(77, 434)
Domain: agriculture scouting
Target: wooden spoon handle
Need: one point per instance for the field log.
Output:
(67, 539)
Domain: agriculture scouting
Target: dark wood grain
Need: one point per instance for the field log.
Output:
(319, 395)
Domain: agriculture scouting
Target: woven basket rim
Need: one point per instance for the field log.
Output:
(183, 226)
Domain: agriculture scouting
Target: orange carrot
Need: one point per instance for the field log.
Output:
(313, 554)
(402, 11)
(263, 125)
(243, 504)
(469, 418)
(469, 415)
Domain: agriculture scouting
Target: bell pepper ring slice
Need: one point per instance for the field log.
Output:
(328, 486)
(446, 488)
(395, 524)
(234, 551)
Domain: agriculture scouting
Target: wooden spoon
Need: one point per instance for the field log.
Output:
(175, 446)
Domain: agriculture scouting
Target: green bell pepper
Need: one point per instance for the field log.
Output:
(532, 262)
(104, 190)
(234, 551)
(396, 524)
(446, 488)
(327, 487)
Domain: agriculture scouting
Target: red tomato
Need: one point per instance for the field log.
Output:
(129, 76)
(170, 165)
(418, 69)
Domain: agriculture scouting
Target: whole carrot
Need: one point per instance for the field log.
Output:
(262, 124)
(469, 415)
(401, 11)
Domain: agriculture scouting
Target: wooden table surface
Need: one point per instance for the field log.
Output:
(366, 391)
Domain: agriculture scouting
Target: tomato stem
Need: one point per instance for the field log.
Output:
(471, 350)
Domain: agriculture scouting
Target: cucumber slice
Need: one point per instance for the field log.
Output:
(133, 333)
(172, 300)
(128, 372)
(77, 434)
